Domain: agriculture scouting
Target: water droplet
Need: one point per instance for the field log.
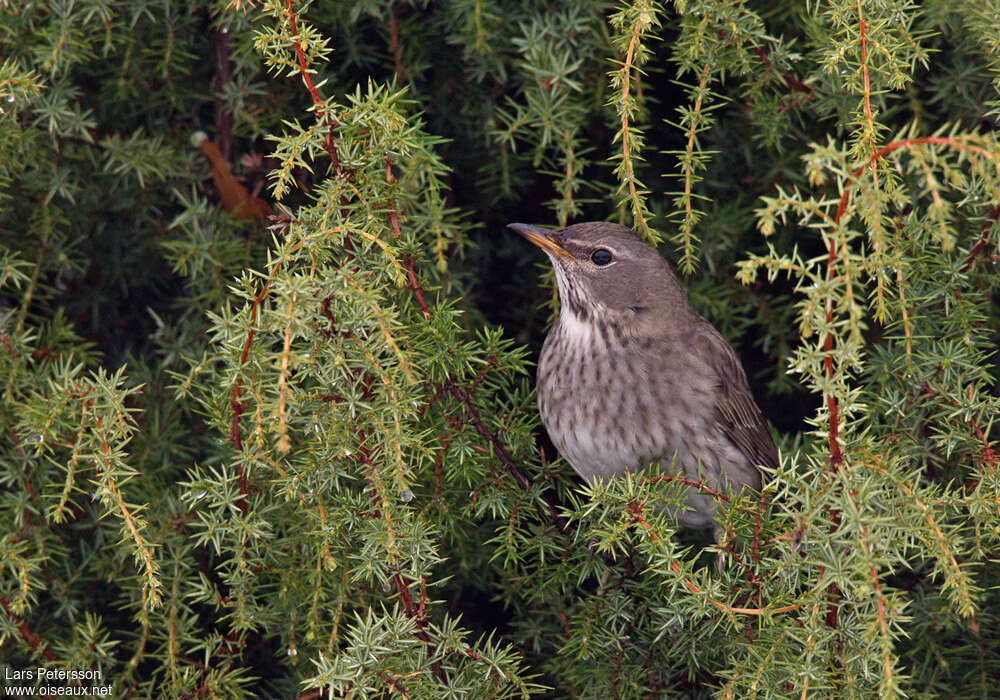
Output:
(406, 495)
(292, 651)
(386, 587)
(204, 492)
(347, 453)
(10, 98)
(36, 438)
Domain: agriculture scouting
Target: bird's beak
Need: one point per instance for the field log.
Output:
(541, 237)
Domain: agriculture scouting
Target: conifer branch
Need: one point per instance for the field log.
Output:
(235, 406)
(498, 449)
(635, 511)
(690, 163)
(387, 479)
(835, 454)
(888, 679)
(635, 22)
(626, 70)
(416, 613)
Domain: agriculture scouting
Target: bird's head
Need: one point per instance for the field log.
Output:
(605, 270)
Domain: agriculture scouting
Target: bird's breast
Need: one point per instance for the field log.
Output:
(588, 398)
(612, 402)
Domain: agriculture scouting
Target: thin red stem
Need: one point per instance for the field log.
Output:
(318, 103)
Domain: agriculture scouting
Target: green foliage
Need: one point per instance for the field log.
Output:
(297, 456)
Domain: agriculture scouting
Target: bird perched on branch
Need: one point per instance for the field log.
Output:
(631, 375)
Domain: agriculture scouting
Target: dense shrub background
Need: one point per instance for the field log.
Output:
(268, 424)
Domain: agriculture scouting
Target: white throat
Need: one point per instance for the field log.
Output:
(578, 332)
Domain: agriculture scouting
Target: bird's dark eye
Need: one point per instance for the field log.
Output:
(601, 257)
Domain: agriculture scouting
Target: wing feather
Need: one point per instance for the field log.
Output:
(736, 412)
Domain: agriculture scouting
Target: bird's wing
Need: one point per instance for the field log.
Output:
(735, 410)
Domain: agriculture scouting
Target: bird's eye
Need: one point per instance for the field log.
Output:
(601, 257)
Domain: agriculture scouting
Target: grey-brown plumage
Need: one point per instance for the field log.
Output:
(630, 374)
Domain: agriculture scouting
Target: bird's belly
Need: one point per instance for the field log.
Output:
(601, 430)
(591, 450)
(601, 412)
(606, 416)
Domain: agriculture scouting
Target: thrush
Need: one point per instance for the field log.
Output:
(630, 375)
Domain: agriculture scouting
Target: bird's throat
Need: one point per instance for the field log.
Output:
(581, 334)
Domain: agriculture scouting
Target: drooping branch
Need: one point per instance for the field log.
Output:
(835, 454)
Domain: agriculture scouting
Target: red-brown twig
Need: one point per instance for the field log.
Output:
(982, 240)
(790, 80)
(415, 289)
(836, 456)
(411, 277)
(33, 641)
(635, 510)
(234, 401)
(397, 64)
(565, 621)
(463, 398)
(699, 485)
(318, 104)
(5, 339)
(498, 449)
(416, 613)
(889, 148)
(833, 443)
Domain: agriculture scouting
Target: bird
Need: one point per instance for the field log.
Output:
(630, 375)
